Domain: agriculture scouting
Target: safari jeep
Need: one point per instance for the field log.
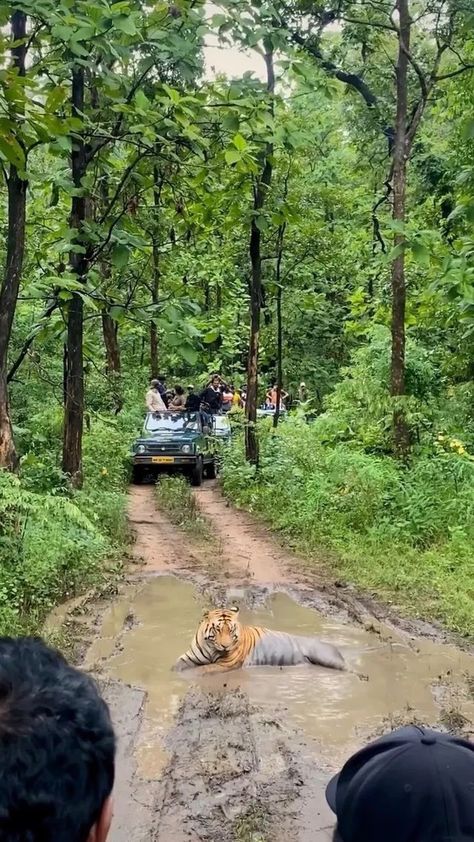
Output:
(174, 442)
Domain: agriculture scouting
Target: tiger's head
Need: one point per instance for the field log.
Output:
(221, 629)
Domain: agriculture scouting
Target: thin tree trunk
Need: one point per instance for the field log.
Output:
(14, 261)
(260, 192)
(112, 347)
(281, 234)
(400, 155)
(113, 361)
(155, 285)
(74, 405)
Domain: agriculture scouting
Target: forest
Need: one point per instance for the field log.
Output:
(313, 222)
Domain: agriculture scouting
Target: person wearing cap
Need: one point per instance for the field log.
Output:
(193, 401)
(412, 785)
(154, 401)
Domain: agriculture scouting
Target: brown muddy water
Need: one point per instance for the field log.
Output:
(146, 629)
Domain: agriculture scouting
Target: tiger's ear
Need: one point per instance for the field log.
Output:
(235, 609)
(205, 615)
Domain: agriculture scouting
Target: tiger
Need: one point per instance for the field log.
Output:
(222, 641)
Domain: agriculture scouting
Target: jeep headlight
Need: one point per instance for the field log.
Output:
(186, 448)
(141, 448)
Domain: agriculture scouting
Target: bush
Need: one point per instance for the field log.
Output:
(55, 542)
(407, 532)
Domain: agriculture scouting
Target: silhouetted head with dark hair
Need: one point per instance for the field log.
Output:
(57, 748)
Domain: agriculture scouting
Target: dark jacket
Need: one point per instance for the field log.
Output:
(162, 391)
(212, 398)
(193, 402)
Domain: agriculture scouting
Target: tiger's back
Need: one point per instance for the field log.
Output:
(280, 649)
(221, 640)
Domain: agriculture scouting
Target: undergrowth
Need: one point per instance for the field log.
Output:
(55, 542)
(403, 532)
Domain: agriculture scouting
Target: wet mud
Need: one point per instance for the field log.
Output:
(245, 755)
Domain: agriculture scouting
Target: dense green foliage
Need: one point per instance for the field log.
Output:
(159, 264)
(53, 541)
(405, 533)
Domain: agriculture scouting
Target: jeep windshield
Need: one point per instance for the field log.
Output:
(158, 422)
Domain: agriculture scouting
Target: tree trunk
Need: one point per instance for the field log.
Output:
(14, 261)
(400, 155)
(112, 347)
(260, 192)
(74, 404)
(281, 234)
(113, 362)
(155, 284)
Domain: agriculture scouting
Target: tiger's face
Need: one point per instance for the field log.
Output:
(222, 629)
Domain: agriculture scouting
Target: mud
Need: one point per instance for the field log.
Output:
(245, 755)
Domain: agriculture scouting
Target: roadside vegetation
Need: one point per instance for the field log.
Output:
(56, 541)
(402, 531)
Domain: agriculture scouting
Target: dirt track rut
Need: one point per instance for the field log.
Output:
(245, 757)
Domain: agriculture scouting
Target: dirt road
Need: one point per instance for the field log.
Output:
(244, 757)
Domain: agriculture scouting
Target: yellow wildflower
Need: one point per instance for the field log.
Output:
(104, 472)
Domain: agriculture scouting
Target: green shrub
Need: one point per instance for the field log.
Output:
(55, 542)
(407, 532)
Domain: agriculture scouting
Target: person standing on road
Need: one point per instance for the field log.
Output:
(154, 401)
(412, 785)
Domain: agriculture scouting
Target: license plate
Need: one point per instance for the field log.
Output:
(162, 460)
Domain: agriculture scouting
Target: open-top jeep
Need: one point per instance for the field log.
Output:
(175, 442)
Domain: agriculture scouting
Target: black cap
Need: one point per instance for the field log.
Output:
(413, 785)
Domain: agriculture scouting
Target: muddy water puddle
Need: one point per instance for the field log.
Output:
(158, 618)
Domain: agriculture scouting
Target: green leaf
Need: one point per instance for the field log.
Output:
(211, 336)
(261, 223)
(420, 253)
(120, 256)
(219, 20)
(11, 150)
(231, 122)
(126, 24)
(117, 313)
(141, 100)
(232, 156)
(56, 97)
(188, 353)
(239, 142)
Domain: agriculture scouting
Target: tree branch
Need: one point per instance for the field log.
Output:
(29, 341)
(351, 79)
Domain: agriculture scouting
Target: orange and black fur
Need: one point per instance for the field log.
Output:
(222, 640)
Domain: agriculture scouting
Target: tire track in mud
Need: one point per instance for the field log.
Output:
(234, 773)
